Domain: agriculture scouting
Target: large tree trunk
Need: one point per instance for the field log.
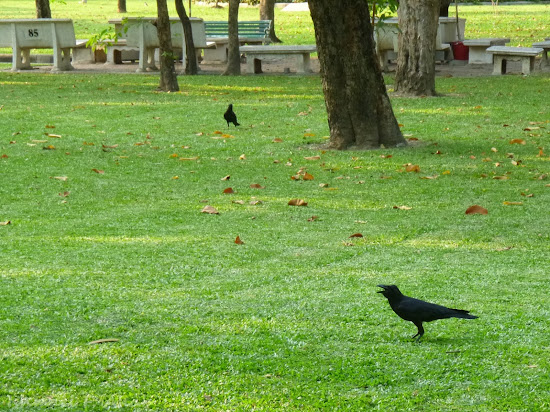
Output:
(43, 9)
(122, 6)
(359, 110)
(168, 78)
(418, 20)
(234, 56)
(190, 60)
(267, 12)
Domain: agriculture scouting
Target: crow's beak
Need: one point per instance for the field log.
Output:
(383, 287)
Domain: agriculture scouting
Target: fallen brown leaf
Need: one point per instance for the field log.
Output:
(100, 341)
(238, 241)
(356, 235)
(62, 178)
(98, 171)
(256, 186)
(297, 202)
(7, 222)
(409, 167)
(517, 141)
(228, 191)
(402, 207)
(210, 210)
(512, 203)
(313, 218)
(476, 209)
(312, 157)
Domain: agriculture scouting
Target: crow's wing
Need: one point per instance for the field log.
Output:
(416, 310)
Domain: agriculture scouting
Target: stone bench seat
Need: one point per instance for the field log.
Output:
(545, 46)
(23, 35)
(256, 54)
(478, 49)
(524, 54)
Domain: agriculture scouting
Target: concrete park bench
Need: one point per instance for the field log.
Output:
(254, 32)
(140, 34)
(524, 54)
(23, 35)
(478, 49)
(545, 46)
(256, 54)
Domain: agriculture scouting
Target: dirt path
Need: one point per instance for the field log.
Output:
(453, 69)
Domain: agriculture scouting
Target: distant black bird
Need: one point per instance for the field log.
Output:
(230, 116)
(418, 311)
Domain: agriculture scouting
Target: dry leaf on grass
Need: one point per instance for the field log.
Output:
(297, 202)
(100, 341)
(210, 210)
(356, 235)
(409, 167)
(507, 203)
(62, 178)
(476, 210)
(402, 207)
(256, 186)
(238, 241)
(5, 223)
(98, 171)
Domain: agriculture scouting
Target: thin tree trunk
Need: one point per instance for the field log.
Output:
(267, 12)
(168, 78)
(359, 111)
(190, 52)
(43, 10)
(444, 8)
(122, 6)
(234, 56)
(418, 21)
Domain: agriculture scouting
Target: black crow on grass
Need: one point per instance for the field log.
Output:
(230, 116)
(417, 311)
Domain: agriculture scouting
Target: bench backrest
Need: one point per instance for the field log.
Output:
(37, 33)
(252, 29)
(137, 26)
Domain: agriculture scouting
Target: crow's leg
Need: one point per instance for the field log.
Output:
(420, 332)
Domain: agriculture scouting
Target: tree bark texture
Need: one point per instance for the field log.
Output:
(190, 52)
(122, 6)
(267, 12)
(234, 56)
(359, 110)
(43, 9)
(418, 21)
(168, 78)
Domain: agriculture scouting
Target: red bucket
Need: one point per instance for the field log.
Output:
(460, 51)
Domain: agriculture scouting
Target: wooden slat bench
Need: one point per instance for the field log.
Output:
(524, 54)
(254, 32)
(23, 35)
(545, 46)
(478, 49)
(256, 54)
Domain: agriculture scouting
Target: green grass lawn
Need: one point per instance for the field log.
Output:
(289, 320)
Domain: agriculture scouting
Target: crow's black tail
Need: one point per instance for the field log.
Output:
(463, 314)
